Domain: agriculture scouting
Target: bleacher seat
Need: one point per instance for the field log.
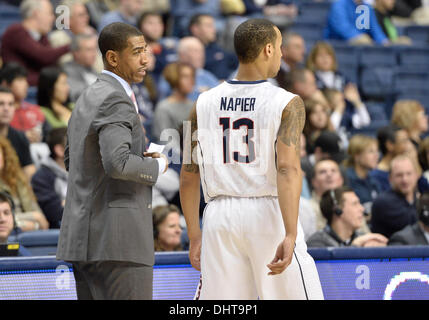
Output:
(39, 243)
(377, 56)
(376, 82)
(8, 15)
(316, 12)
(371, 129)
(419, 34)
(347, 59)
(410, 80)
(376, 111)
(309, 31)
(413, 56)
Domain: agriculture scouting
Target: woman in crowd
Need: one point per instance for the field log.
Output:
(28, 214)
(363, 156)
(167, 230)
(52, 96)
(410, 115)
(317, 120)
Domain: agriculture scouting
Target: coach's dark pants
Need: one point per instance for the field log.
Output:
(113, 280)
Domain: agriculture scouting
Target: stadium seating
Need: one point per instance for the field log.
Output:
(348, 61)
(316, 12)
(419, 34)
(39, 243)
(308, 30)
(8, 15)
(414, 56)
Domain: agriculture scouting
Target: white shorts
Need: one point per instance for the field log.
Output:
(240, 237)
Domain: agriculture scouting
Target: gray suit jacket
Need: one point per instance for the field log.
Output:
(75, 78)
(410, 235)
(108, 213)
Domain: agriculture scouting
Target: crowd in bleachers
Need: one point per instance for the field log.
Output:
(361, 67)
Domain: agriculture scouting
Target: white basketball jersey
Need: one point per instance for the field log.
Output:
(238, 122)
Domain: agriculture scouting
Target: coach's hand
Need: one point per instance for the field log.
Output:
(195, 252)
(283, 256)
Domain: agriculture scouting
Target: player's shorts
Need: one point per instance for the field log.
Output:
(240, 237)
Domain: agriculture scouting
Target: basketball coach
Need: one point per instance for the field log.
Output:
(106, 230)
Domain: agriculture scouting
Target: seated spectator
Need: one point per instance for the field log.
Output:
(78, 25)
(50, 181)
(167, 230)
(27, 42)
(383, 11)
(28, 214)
(293, 54)
(394, 209)
(344, 214)
(190, 50)
(418, 233)
(17, 138)
(410, 115)
(28, 117)
(348, 110)
(172, 111)
(218, 61)
(303, 83)
(52, 96)
(423, 157)
(80, 73)
(163, 49)
(347, 23)
(127, 12)
(317, 121)
(363, 157)
(392, 141)
(7, 222)
(322, 61)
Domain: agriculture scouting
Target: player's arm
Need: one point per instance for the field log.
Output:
(190, 193)
(289, 179)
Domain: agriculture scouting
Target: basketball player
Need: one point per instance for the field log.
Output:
(248, 147)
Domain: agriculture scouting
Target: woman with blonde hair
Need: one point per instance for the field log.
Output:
(28, 214)
(410, 115)
(363, 156)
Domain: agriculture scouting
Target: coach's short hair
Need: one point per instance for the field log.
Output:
(251, 36)
(115, 37)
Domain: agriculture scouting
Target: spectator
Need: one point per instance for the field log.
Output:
(410, 115)
(78, 25)
(80, 72)
(27, 42)
(363, 157)
(52, 96)
(17, 138)
(392, 141)
(303, 83)
(190, 50)
(164, 50)
(127, 12)
(167, 230)
(293, 51)
(12, 180)
(218, 61)
(348, 110)
(50, 181)
(27, 117)
(344, 214)
(418, 233)
(394, 209)
(346, 22)
(322, 61)
(172, 111)
(317, 121)
(383, 11)
(423, 157)
(8, 223)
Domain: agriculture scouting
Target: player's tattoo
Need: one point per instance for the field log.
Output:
(292, 124)
(192, 167)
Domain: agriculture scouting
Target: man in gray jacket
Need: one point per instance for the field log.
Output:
(106, 231)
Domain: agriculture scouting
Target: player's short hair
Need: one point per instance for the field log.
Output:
(115, 37)
(251, 36)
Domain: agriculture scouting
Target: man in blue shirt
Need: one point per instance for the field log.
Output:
(127, 13)
(353, 21)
